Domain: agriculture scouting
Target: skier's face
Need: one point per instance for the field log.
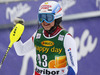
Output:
(47, 26)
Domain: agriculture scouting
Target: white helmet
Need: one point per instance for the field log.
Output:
(51, 7)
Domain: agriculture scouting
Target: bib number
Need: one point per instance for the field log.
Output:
(42, 60)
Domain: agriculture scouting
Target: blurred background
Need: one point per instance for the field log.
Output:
(81, 19)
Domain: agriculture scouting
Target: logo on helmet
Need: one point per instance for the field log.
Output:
(45, 6)
(46, 3)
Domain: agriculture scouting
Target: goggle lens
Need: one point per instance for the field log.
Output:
(46, 17)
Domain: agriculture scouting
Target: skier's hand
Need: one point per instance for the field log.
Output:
(19, 20)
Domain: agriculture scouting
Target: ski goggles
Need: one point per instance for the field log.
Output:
(48, 17)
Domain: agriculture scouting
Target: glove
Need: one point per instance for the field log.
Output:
(70, 71)
(19, 20)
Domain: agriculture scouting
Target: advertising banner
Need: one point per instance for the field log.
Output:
(86, 34)
(84, 31)
(28, 9)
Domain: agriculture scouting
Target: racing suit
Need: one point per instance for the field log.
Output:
(55, 53)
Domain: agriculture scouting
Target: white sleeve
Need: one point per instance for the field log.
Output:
(23, 48)
(71, 52)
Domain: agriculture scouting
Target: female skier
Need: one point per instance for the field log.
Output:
(55, 48)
